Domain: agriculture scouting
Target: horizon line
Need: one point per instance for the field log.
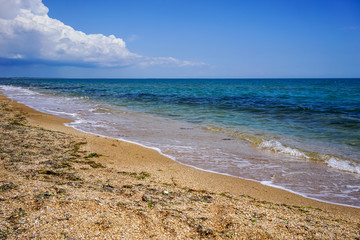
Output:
(110, 78)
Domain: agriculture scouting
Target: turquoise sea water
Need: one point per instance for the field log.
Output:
(299, 134)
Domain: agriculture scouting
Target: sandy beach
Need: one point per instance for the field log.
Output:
(57, 182)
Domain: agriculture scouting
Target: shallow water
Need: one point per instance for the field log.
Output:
(300, 135)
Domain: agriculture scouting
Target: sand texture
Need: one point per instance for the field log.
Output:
(59, 183)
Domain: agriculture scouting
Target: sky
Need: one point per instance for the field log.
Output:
(180, 38)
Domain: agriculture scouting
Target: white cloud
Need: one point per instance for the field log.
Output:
(27, 32)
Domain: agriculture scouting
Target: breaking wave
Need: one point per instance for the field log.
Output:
(260, 141)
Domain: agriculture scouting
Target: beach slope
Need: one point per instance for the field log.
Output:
(58, 182)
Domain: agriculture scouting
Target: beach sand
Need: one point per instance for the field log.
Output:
(57, 182)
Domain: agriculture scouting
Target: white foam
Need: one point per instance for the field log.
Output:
(61, 113)
(271, 184)
(343, 165)
(99, 111)
(278, 147)
(12, 90)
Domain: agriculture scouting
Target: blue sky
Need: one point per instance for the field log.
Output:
(181, 38)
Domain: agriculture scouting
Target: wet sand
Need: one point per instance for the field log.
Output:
(101, 187)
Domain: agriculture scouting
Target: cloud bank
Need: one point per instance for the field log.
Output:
(28, 34)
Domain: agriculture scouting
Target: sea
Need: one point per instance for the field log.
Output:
(300, 135)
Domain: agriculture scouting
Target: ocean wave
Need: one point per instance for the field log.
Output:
(330, 160)
(343, 164)
(60, 113)
(13, 90)
(268, 143)
(100, 110)
(279, 147)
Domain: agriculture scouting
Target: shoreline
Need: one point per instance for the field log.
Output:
(325, 184)
(213, 172)
(186, 175)
(56, 181)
